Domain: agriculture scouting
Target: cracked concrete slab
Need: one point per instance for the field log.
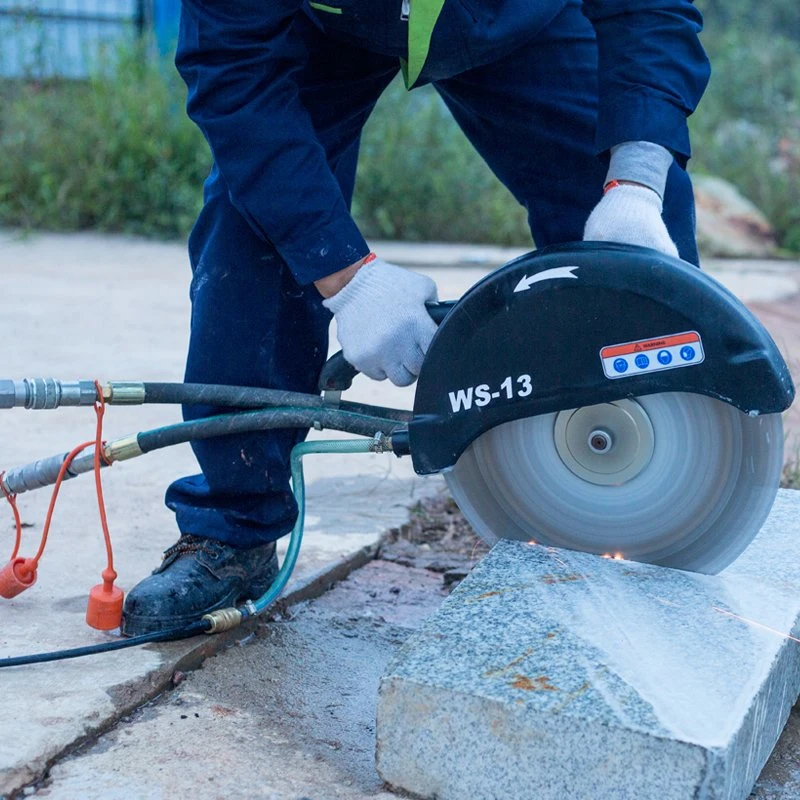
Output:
(288, 714)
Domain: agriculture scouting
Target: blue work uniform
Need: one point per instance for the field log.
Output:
(282, 89)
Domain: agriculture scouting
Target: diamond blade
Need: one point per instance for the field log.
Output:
(695, 480)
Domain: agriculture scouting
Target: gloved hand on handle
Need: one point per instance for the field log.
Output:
(382, 323)
(630, 211)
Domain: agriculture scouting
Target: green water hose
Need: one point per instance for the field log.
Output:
(228, 618)
(299, 489)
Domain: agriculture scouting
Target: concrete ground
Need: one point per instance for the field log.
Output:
(85, 306)
(289, 713)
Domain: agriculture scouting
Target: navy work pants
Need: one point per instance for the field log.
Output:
(530, 114)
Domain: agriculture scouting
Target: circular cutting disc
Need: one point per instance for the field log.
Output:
(677, 479)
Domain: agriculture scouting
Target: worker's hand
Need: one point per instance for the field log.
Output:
(382, 323)
(632, 215)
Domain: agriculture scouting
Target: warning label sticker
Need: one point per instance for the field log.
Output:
(652, 355)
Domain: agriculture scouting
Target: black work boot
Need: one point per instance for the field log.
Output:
(197, 575)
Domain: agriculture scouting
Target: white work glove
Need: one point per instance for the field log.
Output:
(382, 323)
(631, 215)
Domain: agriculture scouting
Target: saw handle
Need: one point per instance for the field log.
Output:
(337, 374)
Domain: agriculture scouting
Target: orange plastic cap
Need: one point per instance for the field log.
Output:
(17, 576)
(104, 611)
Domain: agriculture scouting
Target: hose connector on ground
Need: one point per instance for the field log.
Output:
(224, 619)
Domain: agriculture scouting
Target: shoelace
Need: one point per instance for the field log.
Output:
(189, 544)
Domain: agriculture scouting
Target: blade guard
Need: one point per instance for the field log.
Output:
(527, 340)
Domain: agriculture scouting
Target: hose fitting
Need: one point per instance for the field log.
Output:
(381, 443)
(124, 393)
(225, 619)
(123, 449)
(46, 393)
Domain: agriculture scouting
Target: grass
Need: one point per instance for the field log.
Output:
(113, 154)
(747, 129)
(117, 153)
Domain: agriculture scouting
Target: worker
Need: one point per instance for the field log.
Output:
(579, 108)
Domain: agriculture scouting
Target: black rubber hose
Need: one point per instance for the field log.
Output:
(209, 394)
(397, 414)
(266, 419)
(255, 397)
(185, 632)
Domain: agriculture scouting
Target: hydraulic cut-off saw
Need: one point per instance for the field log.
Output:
(605, 398)
(599, 397)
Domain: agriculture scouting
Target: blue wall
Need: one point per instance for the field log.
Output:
(43, 38)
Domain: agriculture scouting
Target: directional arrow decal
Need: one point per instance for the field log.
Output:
(547, 275)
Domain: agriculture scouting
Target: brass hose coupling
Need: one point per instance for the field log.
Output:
(224, 619)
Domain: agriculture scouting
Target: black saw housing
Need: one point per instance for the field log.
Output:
(527, 340)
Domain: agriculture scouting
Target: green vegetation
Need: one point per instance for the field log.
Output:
(747, 129)
(419, 178)
(114, 154)
(117, 153)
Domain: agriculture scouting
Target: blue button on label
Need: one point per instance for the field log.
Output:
(621, 365)
(642, 361)
(687, 353)
(664, 357)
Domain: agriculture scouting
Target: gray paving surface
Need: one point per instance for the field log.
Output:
(290, 713)
(115, 308)
(627, 680)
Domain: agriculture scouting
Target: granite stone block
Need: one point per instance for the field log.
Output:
(556, 674)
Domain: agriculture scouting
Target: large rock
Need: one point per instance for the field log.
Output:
(728, 224)
(554, 674)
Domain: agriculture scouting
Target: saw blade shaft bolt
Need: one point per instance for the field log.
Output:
(600, 441)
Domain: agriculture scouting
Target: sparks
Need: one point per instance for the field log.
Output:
(756, 624)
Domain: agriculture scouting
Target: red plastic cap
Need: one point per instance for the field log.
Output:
(104, 611)
(17, 576)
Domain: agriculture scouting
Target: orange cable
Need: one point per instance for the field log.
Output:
(104, 611)
(56, 487)
(12, 501)
(100, 408)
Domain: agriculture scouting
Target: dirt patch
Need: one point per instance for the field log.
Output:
(436, 538)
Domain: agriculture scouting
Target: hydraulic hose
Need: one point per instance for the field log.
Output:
(173, 634)
(45, 471)
(246, 421)
(254, 397)
(49, 393)
(227, 618)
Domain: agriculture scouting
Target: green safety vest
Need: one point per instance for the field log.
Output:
(420, 30)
